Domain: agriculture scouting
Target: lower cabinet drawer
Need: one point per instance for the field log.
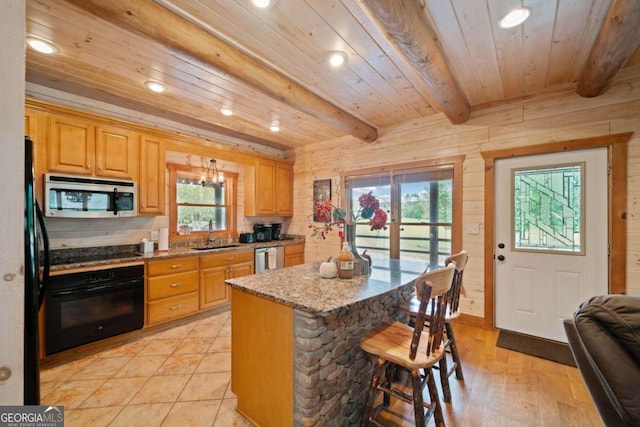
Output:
(171, 285)
(172, 307)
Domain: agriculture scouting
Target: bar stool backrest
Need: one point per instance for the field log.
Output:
(432, 289)
(460, 259)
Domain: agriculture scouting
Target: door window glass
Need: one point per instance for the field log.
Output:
(547, 209)
(426, 220)
(376, 242)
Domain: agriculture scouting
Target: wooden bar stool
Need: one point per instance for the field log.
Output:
(413, 349)
(453, 299)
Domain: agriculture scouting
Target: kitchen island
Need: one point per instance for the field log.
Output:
(296, 358)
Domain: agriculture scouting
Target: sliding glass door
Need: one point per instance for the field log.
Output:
(419, 203)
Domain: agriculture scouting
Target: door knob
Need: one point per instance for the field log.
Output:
(501, 245)
(501, 258)
(5, 373)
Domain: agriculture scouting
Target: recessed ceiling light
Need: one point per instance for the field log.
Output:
(42, 46)
(337, 58)
(515, 17)
(155, 86)
(263, 3)
(274, 126)
(226, 111)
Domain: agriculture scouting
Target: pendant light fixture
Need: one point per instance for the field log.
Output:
(213, 176)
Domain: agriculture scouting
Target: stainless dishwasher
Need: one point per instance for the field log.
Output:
(269, 258)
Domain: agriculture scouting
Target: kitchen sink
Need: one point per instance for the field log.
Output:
(211, 248)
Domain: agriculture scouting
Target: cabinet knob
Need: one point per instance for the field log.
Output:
(174, 266)
(175, 307)
(88, 166)
(175, 285)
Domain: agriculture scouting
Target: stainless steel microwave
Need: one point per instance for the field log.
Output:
(67, 196)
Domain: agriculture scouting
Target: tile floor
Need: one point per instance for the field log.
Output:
(177, 377)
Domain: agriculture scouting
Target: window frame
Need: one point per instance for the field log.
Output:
(231, 203)
(455, 163)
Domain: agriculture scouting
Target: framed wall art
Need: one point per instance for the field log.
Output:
(321, 193)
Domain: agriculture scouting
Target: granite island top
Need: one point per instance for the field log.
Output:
(303, 288)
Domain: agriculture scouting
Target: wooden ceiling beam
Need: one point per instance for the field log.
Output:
(153, 21)
(404, 26)
(617, 41)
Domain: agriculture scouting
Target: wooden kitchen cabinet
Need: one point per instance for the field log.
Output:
(152, 176)
(82, 147)
(34, 127)
(172, 289)
(293, 254)
(116, 152)
(215, 269)
(269, 189)
(72, 145)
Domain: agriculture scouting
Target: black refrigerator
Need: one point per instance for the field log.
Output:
(36, 240)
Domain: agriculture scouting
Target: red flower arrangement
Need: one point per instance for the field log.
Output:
(330, 215)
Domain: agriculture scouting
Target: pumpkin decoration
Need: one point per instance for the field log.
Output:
(328, 269)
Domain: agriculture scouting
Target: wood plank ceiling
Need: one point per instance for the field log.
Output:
(407, 59)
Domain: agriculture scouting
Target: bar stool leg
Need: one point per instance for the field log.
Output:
(418, 403)
(454, 350)
(435, 403)
(373, 391)
(444, 378)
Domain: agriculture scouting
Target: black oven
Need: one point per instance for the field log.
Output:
(87, 306)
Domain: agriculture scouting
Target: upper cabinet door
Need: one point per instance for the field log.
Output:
(284, 192)
(71, 145)
(265, 188)
(152, 176)
(269, 189)
(116, 152)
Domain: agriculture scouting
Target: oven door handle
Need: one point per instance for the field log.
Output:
(80, 291)
(96, 288)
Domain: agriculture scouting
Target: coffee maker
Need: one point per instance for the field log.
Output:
(262, 232)
(276, 232)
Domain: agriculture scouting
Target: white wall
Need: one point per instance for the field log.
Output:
(12, 66)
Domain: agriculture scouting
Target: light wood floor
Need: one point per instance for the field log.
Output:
(181, 377)
(506, 388)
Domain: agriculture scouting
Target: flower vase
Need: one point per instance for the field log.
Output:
(360, 264)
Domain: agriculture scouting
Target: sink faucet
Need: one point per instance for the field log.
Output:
(210, 240)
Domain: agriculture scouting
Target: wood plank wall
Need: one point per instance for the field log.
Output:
(543, 119)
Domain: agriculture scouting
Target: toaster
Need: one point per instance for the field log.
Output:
(246, 238)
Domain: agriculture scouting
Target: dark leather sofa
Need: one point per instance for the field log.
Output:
(604, 337)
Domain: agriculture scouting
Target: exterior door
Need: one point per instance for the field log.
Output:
(551, 225)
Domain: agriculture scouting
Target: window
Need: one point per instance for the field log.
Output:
(424, 208)
(547, 209)
(194, 206)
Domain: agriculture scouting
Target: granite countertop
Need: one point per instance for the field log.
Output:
(302, 287)
(131, 256)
